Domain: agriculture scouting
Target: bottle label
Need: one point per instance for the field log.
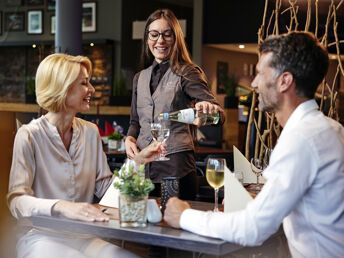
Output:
(187, 116)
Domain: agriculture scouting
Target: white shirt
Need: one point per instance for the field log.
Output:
(304, 188)
(43, 171)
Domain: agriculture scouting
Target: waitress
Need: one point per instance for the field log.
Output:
(170, 81)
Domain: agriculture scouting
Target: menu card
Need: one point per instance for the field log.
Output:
(110, 197)
(236, 196)
(243, 165)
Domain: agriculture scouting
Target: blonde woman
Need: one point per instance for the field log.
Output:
(59, 165)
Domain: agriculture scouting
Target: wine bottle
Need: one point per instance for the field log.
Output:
(191, 116)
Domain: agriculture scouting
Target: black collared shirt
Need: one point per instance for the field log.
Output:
(158, 72)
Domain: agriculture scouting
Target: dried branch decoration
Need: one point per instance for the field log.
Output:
(265, 139)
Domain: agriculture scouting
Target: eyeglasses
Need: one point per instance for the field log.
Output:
(154, 35)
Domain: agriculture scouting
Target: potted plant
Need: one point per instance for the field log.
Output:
(134, 189)
(230, 84)
(115, 140)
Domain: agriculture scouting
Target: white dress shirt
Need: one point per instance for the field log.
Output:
(304, 189)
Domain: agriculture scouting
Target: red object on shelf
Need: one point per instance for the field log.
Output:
(101, 132)
(108, 129)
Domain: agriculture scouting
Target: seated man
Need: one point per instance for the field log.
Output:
(305, 178)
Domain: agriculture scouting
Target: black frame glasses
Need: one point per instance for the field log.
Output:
(167, 35)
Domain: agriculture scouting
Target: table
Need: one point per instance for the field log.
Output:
(152, 235)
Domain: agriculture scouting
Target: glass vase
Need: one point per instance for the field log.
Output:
(132, 211)
(114, 144)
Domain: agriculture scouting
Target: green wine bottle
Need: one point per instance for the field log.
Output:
(191, 116)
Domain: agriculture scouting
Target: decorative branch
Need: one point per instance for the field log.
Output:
(249, 125)
(335, 25)
(322, 94)
(272, 127)
(316, 17)
(324, 39)
(309, 12)
(261, 29)
(267, 29)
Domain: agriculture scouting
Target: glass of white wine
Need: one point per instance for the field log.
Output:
(215, 176)
(160, 134)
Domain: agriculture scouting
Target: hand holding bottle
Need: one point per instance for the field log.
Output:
(204, 113)
(207, 107)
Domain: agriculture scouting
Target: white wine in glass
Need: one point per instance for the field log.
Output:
(160, 134)
(216, 176)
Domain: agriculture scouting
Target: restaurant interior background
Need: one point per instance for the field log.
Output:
(221, 36)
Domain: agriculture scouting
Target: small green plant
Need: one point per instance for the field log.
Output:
(133, 184)
(115, 136)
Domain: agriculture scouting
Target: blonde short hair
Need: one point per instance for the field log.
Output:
(55, 74)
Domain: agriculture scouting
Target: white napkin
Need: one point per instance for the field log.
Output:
(236, 196)
(110, 197)
(243, 165)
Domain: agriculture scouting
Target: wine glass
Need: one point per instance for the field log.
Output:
(258, 165)
(215, 176)
(160, 134)
(266, 157)
(257, 168)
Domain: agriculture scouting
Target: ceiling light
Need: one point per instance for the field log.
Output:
(34, 46)
(91, 44)
(241, 46)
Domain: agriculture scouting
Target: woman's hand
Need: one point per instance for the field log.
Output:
(207, 107)
(78, 210)
(150, 153)
(130, 147)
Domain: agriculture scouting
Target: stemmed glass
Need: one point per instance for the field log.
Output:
(258, 165)
(257, 168)
(215, 176)
(160, 134)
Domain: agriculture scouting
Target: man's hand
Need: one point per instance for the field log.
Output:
(174, 209)
(207, 107)
(130, 147)
(78, 210)
(150, 153)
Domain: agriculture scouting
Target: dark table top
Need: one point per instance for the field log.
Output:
(152, 234)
